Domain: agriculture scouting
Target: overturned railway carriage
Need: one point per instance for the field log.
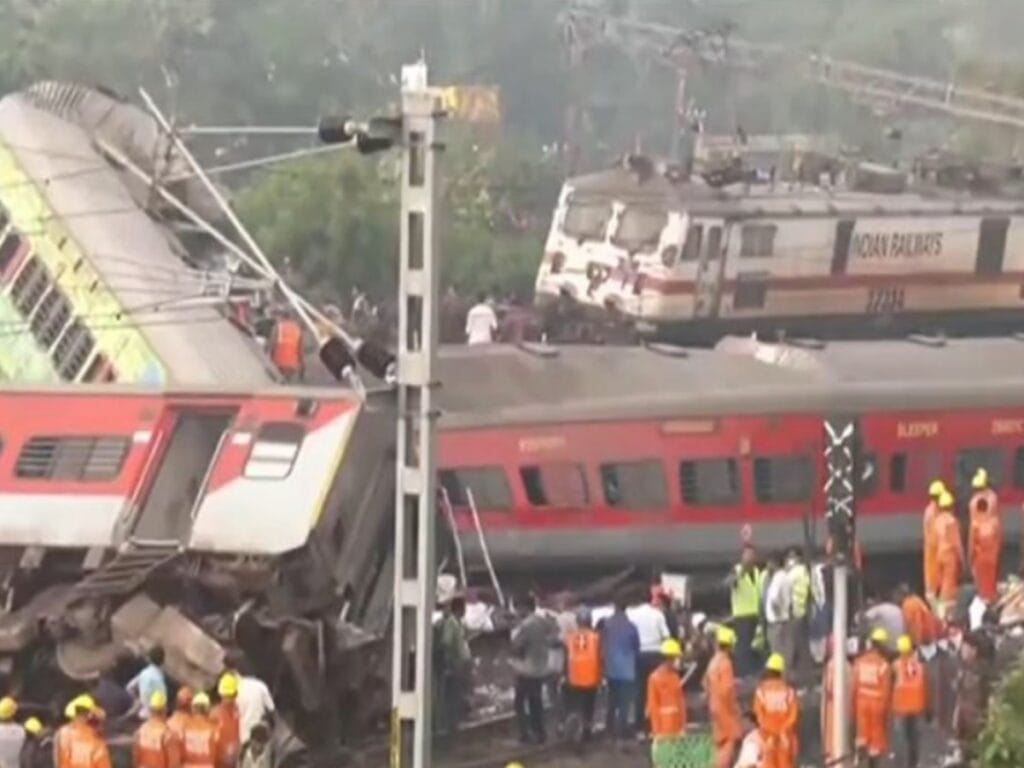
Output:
(204, 521)
(690, 262)
(584, 457)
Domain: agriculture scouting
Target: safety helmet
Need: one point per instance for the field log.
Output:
(201, 701)
(725, 636)
(776, 663)
(514, 765)
(671, 648)
(904, 644)
(879, 635)
(945, 500)
(227, 687)
(183, 699)
(936, 489)
(980, 480)
(33, 726)
(8, 708)
(158, 701)
(83, 702)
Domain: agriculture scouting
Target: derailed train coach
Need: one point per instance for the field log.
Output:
(205, 521)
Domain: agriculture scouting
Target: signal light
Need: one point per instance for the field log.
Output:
(379, 134)
(336, 358)
(335, 129)
(377, 360)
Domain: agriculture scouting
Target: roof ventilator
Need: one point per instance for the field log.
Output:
(539, 349)
(804, 342)
(936, 340)
(667, 350)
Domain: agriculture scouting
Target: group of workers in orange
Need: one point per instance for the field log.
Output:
(196, 735)
(944, 556)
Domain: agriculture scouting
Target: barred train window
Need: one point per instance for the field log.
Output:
(79, 459)
(9, 247)
(757, 240)
(634, 484)
(487, 485)
(557, 484)
(274, 450)
(711, 482)
(784, 479)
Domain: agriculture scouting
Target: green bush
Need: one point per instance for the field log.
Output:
(1001, 744)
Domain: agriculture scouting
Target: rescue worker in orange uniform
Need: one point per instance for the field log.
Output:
(199, 743)
(981, 489)
(666, 707)
(155, 745)
(79, 743)
(827, 695)
(777, 711)
(909, 697)
(723, 704)
(182, 712)
(985, 540)
(225, 716)
(949, 553)
(583, 671)
(918, 618)
(872, 692)
(930, 542)
(286, 348)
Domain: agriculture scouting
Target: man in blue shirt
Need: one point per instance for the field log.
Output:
(149, 681)
(620, 642)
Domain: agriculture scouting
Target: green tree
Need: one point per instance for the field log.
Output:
(1001, 744)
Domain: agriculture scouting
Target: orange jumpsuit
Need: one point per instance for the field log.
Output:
(827, 689)
(777, 712)
(79, 746)
(872, 689)
(950, 555)
(931, 560)
(155, 745)
(919, 620)
(910, 687)
(199, 743)
(985, 543)
(724, 708)
(225, 717)
(176, 722)
(991, 500)
(666, 708)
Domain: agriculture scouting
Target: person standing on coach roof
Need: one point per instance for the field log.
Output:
(653, 630)
(746, 584)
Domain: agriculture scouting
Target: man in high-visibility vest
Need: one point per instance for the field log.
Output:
(746, 583)
(930, 541)
(909, 697)
(777, 710)
(286, 348)
(723, 704)
(154, 744)
(583, 671)
(872, 689)
(666, 707)
(799, 577)
(949, 554)
(985, 545)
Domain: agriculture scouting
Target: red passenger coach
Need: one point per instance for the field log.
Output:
(600, 456)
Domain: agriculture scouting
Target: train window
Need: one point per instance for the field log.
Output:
(757, 240)
(80, 459)
(691, 250)
(4, 217)
(29, 285)
(970, 460)
(640, 229)
(587, 220)
(1018, 468)
(8, 249)
(634, 484)
(274, 450)
(711, 482)
(751, 291)
(73, 350)
(488, 487)
(560, 484)
(782, 478)
(898, 473)
(52, 323)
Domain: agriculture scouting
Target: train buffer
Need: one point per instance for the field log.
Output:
(127, 570)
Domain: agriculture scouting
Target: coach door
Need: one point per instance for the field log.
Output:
(991, 246)
(708, 292)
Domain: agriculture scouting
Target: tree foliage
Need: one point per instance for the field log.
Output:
(1002, 741)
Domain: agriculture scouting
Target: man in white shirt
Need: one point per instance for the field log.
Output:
(653, 630)
(255, 704)
(481, 322)
(778, 597)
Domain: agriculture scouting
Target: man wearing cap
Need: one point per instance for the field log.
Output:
(199, 745)
(949, 554)
(666, 707)
(872, 687)
(79, 744)
(777, 711)
(32, 753)
(12, 735)
(154, 744)
(909, 697)
(723, 705)
(225, 717)
(985, 538)
(930, 540)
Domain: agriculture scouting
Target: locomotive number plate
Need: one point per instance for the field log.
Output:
(881, 300)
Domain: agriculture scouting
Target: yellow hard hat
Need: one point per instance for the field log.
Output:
(84, 701)
(879, 635)
(158, 701)
(725, 636)
(936, 489)
(514, 765)
(904, 644)
(671, 648)
(776, 663)
(945, 500)
(33, 726)
(227, 687)
(980, 480)
(8, 708)
(201, 701)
